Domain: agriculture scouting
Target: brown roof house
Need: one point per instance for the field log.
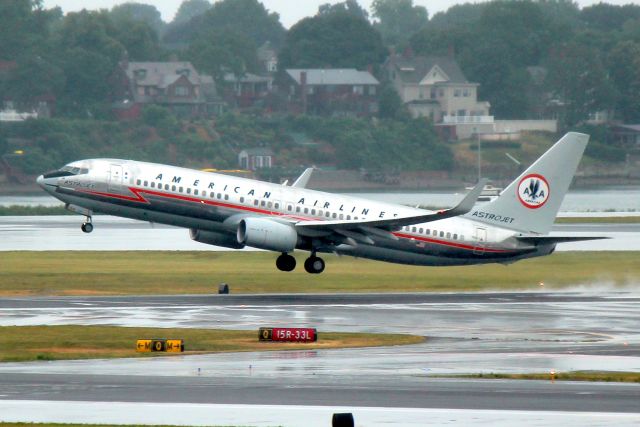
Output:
(435, 87)
(334, 91)
(174, 85)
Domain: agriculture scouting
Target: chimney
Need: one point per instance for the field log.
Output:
(303, 88)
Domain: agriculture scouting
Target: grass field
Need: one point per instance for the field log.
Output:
(601, 376)
(27, 343)
(128, 273)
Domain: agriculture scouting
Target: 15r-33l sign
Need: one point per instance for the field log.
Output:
(288, 334)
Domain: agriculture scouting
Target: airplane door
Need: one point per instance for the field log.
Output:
(481, 241)
(115, 177)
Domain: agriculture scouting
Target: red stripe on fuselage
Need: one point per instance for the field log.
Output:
(140, 198)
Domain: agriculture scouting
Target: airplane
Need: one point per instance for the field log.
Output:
(234, 212)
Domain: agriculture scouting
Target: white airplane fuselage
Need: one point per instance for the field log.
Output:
(212, 205)
(234, 212)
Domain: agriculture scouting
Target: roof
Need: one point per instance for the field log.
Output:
(333, 76)
(161, 74)
(259, 151)
(632, 128)
(413, 70)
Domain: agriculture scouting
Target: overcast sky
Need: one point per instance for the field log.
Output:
(291, 11)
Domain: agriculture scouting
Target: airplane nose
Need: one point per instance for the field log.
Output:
(40, 180)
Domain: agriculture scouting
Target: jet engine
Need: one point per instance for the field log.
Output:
(264, 233)
(215, 238)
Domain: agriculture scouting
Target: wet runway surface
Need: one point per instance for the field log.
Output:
(587, 329)
(112, 233)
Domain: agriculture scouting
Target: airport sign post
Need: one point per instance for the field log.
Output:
(288, 334)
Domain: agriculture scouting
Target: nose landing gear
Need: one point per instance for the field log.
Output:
(87, 226)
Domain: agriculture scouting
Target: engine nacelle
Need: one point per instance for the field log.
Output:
(264, 233)
(215, 238)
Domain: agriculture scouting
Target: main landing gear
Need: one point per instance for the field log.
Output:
(313, 264)
(87, 226)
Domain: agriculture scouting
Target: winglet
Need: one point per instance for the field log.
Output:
(469, 200)
(303, 179)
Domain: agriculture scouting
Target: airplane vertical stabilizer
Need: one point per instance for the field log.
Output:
(531, 202)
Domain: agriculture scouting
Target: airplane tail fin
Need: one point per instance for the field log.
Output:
(531, 202)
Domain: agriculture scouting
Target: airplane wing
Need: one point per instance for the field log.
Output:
(396, 223)
(542, 240)
(303, 179)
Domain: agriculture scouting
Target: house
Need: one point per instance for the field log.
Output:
(174, 85)
(268, 58)
(435, 87)
(626, 135)
(336, 91)
(247, 90)
(255, 158)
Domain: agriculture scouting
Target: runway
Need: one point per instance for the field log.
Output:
(591, 328)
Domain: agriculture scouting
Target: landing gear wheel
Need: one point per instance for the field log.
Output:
(86, 226)
(286, 262)
(314, 265)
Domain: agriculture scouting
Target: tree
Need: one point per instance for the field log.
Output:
(579, 78)
(391, 106)
(624, 63)
(223, 51)
(398, 20)
(189, 9)
(337, 39)
(247, 16)
(138, 12)
(348, 6)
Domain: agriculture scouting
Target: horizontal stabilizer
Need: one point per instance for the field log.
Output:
(547, 240)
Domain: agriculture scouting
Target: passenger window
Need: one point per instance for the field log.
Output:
(306, 210)
(219, 196)
(269, 205)
(289, 208)
(212, 195)
(421, 230)
(348, 217)
(181, 189)
(413, 229)
(313, 211)
(173, 188)
(461, 237)
(195, 192)
(166, 187)
(153, 185)
(455, 236)
(277, 205)
(255, 202)
(188, 190)
(241, 199)
(327, 214)
(341, 216)
(448, 235)
(138, 182)
(427, 232)
(435, 232)
(298, 209)
(226, 197)
(442, 234)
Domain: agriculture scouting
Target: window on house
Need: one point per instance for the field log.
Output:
(440, 93)
(372, 90)
(433, 93)
(182, 90)
(466, 92)
(358, 89)
(456, 93)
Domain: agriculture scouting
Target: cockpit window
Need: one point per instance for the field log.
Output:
(66, 171)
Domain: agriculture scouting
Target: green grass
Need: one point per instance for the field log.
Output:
(77, 425)
(29, 343)
(145, 272)
(594, 376)
(599, 220)
(16, 210)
